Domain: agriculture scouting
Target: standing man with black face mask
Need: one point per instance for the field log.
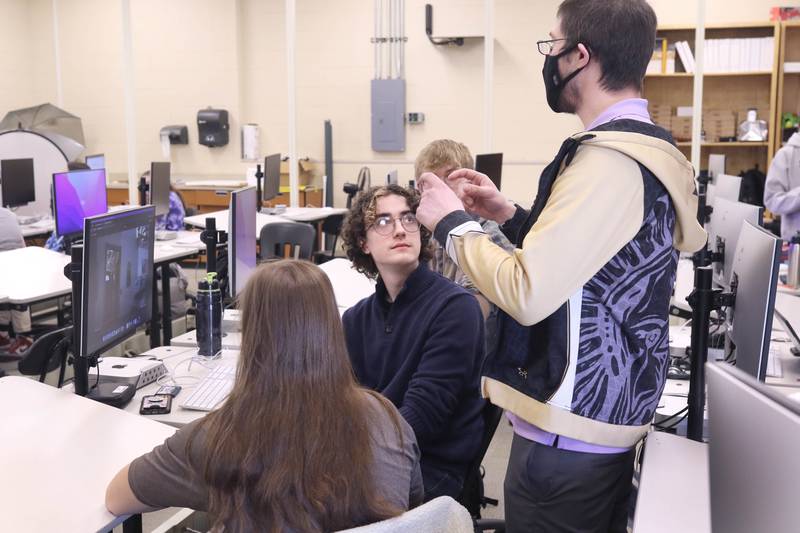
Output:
(581, 358)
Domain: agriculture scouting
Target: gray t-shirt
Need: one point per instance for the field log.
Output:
(10, 232)
(165, 478)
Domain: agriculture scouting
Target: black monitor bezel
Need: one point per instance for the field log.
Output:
(493, 158)
(87, 222)
(272, 183)
(4, 183)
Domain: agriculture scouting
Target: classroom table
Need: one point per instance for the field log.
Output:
(673, 488)
(291, 214)
(58, 451)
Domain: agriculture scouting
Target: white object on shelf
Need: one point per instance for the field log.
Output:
(791, 66)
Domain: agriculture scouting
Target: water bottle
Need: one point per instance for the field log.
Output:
(209, 317)
(793, 275)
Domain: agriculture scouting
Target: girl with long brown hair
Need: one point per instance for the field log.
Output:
(298, 445)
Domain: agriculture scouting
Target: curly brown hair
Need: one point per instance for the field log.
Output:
(360, 219)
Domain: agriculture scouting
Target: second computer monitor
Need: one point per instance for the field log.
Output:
(491, 165)
(753, 464)
(117, 288)
(272, 176)
(17, 185)
(724, 228)
(242, 240)
(755, 278)
(159, 187)
(78, 194)
(96, 161)
(727, 187)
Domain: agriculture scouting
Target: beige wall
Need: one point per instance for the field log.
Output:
(189, 54)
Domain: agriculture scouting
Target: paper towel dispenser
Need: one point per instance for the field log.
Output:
(212, 126)
(176, 134)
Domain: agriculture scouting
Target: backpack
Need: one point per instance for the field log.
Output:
(752, 190)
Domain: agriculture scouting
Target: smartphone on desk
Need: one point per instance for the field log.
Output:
(156, 404)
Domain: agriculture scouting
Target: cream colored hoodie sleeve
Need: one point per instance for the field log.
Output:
(595, 208)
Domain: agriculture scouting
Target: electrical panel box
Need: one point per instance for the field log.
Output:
(388, 115)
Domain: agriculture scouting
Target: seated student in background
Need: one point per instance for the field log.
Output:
(298, 445)
(419, 339)
(443, 157)
(782, 188)
(173, 220)
(20, 317)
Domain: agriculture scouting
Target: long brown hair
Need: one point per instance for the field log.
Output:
(290, 449)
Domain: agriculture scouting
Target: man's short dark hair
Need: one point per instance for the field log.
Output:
(620, 35)
(361, 217)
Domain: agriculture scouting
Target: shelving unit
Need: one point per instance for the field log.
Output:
(734, 91)
(788, 82)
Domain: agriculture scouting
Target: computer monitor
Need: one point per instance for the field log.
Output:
(755, 278)
(727, 187)
(117, 282)
(724, 227)
(159, 187)
(76, 195)
(96, 161)
(17, 186)
(272, 177)
(753, 458)
(391, 177)
(491, 165)
(242, 239)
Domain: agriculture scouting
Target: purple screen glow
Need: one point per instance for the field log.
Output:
(77, 195)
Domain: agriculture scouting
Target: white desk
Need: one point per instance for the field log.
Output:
(40, 227)
(176, 359)
(58, 452)
(32, 274)
(673, 489)
(221, 220)
(292, 214)
(231, 340)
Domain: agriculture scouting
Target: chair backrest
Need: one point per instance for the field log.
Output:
(275, 236)
(440, 515)
(472, 493)
(45, 354)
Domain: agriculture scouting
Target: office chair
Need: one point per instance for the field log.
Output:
(47, 353)
(275, 236)
(472, 496)
(330, 226)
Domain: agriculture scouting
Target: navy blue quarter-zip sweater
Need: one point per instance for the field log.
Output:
(424, 351)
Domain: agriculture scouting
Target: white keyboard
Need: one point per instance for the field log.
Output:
(774, 366)
(212, 390)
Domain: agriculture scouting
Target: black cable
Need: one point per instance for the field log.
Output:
(97, 381)
(676, 424)
(660, 424)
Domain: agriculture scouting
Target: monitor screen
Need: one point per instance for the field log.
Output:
(724, 228)
(491, 165)
(727, 187)
(16, 180)
(754, 431)
(117, 290)
(76, 195)
(159, 187)
(272, 177)
(96, 162)
(242, 241)
(755, 277)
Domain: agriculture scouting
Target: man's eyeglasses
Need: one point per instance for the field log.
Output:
(384, 224)
(546, 47)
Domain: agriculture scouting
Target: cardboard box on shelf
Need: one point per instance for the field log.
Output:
(681, 128)
(305, 172)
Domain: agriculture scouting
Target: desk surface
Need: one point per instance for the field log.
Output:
(673, 490)
(58, 452)
(187, 374)
(40, 227)
(295, 214)
(34, 273)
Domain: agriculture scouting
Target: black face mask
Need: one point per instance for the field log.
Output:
(553, 84)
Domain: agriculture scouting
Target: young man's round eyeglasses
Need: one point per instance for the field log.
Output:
(384, 225)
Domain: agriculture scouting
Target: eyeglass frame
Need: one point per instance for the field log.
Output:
(548, 42)
(393, 224)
